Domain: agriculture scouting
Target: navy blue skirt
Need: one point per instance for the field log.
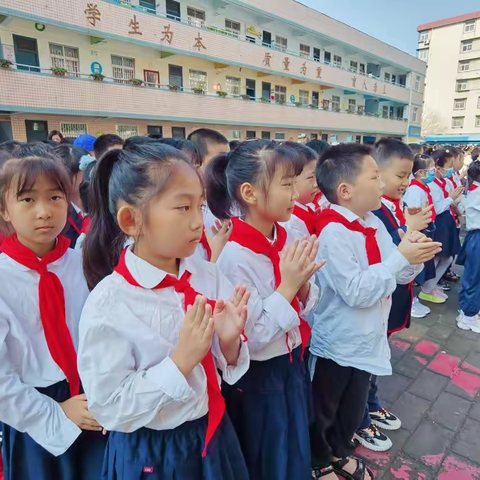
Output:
(24, 459)
(447, 234)
(270, 408)
(401, 311)
(175, 454)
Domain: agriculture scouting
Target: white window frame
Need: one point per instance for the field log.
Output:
(460, 104)
(458, 122)
(327, 62)
(464, 66)
(73, 130)
(462, 86)
(416, 85)
(234, 134)
(72, 64)
(305, 50)
(194, 17)
(304, 97)
(336, 102)
(281, 43)
(422, 54)
(385, 111)
(280, 93)
(337, 61)
(279, 135)
(231, 30)
(415, 114)
(233, 85)
(469, 27)
(198, 82)
(424, 36)
(362, 69)
(353, 66)
(467, 46)
(352, 105)
(126, 131)
(387, 77)
(124, 72)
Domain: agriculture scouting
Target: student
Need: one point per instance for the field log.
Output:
(87, 142)
(269, 405)
(416, 148)
(395, 163)
(55, 136)
(42, 295)
(319, 146)
(157, 390)
(188, 148)
(209, 143)
(105, 143)
(349, 331)
(87, 166)
(445, 227)
(469, 299)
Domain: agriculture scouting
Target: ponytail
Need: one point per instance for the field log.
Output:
(104, 241)
(218, 198)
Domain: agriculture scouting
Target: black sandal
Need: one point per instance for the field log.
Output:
(359, 473)
(322, 472)
(451, 277)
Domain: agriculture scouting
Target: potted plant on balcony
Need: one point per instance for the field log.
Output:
(198, 90)
(313, 106)
(59, 72)
(4, 63)
(97, 77)
(222, 94)
(298, 104)
(136, 82)
(264, 99)
(326, 104)
(173, 87)
(281, 101)
(244, 96)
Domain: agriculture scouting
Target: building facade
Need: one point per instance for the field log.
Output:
(248, 68)
(451, 49)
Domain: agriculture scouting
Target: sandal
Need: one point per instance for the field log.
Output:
(359, 473)
(451, 277)
(321, 472)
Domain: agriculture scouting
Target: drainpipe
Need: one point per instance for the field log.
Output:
(410, 106)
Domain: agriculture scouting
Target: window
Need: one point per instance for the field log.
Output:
(358, 139)
(196, 17)
(335, 103)
(337, 61)
(352, 105)
(127, 131)
(460, 104)
(316, 54)
(173, 10)
(423, 36)
(387, 77)
(198, 79)
(362, 68)
(65, 57)
(457, 122)
(232, 27)
(73, 129)
(314, 136)
(155, 131)
(394, 79)
(251, 134)
(415, 114)
(123, 68)
(416, 85)
(478, 102)
(279, 136)
(266, 135)
(281, 43)
(385, 111)
(325, 137)
(467, 46)
(233, 85)
(333, 138)
(178, 132)
(464, 66)
(423, 54)
(353, 66)
(304, 97)
(477, 121)
(327, 58)
(149, 5)
(280, 93)
(234, 134)
(469, 27)
(349, 138)
(462, 86)
(304, 50)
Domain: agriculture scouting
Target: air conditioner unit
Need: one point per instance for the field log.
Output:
(426, 42)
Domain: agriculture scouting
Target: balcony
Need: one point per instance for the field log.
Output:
(42, 92)
(209, 42)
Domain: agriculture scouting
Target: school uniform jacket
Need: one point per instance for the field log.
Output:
(127, 335)
(25, 360)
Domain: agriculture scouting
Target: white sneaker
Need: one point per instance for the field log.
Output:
(418, 309)
(438, 292)
(468, 323)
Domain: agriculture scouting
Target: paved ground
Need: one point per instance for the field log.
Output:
(435, 391)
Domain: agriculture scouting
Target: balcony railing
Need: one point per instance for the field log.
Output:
(325, 105)
(245, 38)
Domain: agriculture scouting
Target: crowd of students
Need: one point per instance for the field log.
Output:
(199, 310)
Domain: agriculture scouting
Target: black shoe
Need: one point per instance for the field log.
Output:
(444, 285)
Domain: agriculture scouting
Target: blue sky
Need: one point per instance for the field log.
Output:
(394, 22)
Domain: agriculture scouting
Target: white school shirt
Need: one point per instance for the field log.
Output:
(25, 361)
(270, 315)
(127, 335)
(296, 227)
(470, 205)
(415, 197)
(441, 203)
(393, 208)
(351, 320)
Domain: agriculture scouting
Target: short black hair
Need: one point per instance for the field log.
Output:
(416, 148)
(70, 157)
(138, 141)
(421, 162)
(442, 156)
(104, 142)
(203, 137)
(305, 154)
(474, 172)
(318, 146)
(341, 163)
(234, 144)
(387, 149)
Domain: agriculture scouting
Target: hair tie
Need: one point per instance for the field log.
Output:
(85, 161)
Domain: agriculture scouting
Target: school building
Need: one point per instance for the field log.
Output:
(451, 50)
(248, 68)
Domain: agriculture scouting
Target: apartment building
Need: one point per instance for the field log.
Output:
(249, 68)
(451, 50)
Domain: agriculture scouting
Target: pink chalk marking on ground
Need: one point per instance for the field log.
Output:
(454, 469)
(468, 382)
(432, 460)
(444, 364)
(470, 368)
(422, 360)
(380, 459)
(427, 348)
(401, 345)
(402, 473)
(413, 338)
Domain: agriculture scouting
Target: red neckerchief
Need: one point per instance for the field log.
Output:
(443, 185)
(423, 187)
(86, 225)
(205, 244)
(332, 216)
(52, 305)
(249, 237)
(398, 210)
(216, 402)
(309, 217)
(472, 187)
(316, 200)
(454, 183)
